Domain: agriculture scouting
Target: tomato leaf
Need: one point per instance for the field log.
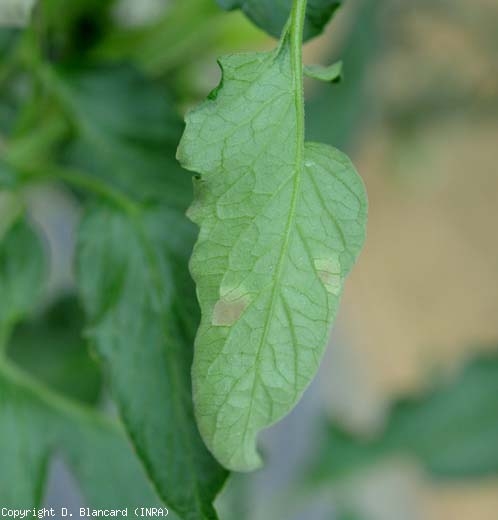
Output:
(22, 269)
(51, 348)
(126, 132)
(36, 422)
(281, 224)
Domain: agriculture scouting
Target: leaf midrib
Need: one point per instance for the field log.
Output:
(295, 36)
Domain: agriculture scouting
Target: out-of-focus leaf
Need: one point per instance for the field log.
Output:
(8, 177)
(26, 441)
(72, 29)
(174, 35)
(349, 515)
(135, 284)
(182, 38)
(106, 466)
(329, 74)
(127, 132)
(52, 349)
(271, 15)
(36, 422)
(22, 268)
(11, 208)
(452, 430)
(116, 102)
(15, 12)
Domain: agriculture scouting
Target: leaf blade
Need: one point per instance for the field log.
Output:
(52, 349)
(22, 270)
(261, 248)
(36, 423)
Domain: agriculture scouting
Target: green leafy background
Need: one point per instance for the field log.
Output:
(91, 97)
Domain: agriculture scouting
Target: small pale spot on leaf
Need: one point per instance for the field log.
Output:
(329, 271)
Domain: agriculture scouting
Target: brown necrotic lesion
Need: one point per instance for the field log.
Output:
(226, 313)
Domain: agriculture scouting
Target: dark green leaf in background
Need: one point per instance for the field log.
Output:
(126, 132)
(22, 269)
(27, 439)
(137, 291)
(51, 347)
(271, 15)
(69, 30)
(181, 34)
(106, 466)
(36, 424)
(8, 177)
(451, 430)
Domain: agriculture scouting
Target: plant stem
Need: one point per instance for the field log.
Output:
(38, 143)
(298, 17)
(81, 180)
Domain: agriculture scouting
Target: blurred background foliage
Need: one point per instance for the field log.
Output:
(402, 422)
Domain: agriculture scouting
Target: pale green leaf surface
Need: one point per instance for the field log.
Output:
(451, 429)
(330, 73)
(139, 298)
(281, 226)
(22, 269)
(271, 15)
(37, 423)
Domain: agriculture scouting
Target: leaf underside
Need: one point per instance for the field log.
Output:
(279, 232)
(271, 16)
